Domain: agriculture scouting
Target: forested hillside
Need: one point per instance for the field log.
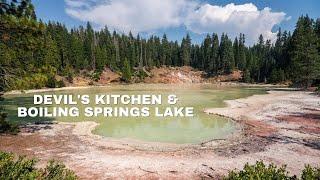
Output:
(33, 52)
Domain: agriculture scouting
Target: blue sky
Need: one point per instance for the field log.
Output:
(177, 17)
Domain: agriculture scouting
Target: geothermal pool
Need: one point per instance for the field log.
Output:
(181, 130)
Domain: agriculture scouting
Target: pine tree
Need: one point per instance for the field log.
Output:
(207, 63)
(50, 52)
(186, 50)
(89, 46)
(30, 46)
(304, 53)
(215, 54)
(126, 71)
(77, 59)
(165, 58)
(175, 54)
(241, 53)
(101, 58)
(317, 31)
(226, 54)
(260, 53)
(236, 52)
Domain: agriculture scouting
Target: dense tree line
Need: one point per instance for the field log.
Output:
(14, 20)
(39, 51)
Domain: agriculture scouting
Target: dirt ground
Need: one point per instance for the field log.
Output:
(282, 127)
(175, 75)
(155, 75)
(187, 74)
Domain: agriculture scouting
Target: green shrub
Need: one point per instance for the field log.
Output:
(34, 81)
(60, 84)
(95, 76)
(271, 172)
(23, 168)
(70, 77)
(52, 82)
(259, 171)
(37, 81)
(310, 173)
(57, 171)
(48, 70)
(68, 71)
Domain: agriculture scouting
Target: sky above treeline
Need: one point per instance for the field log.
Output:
(178, 17)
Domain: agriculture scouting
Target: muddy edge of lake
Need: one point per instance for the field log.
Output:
(280, 127)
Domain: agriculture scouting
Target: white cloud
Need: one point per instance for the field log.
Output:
(135, 15)
(234, 19)
(75, 4)
(83, 3)
(151, 15)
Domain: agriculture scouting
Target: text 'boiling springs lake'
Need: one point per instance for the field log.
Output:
(137, 125)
